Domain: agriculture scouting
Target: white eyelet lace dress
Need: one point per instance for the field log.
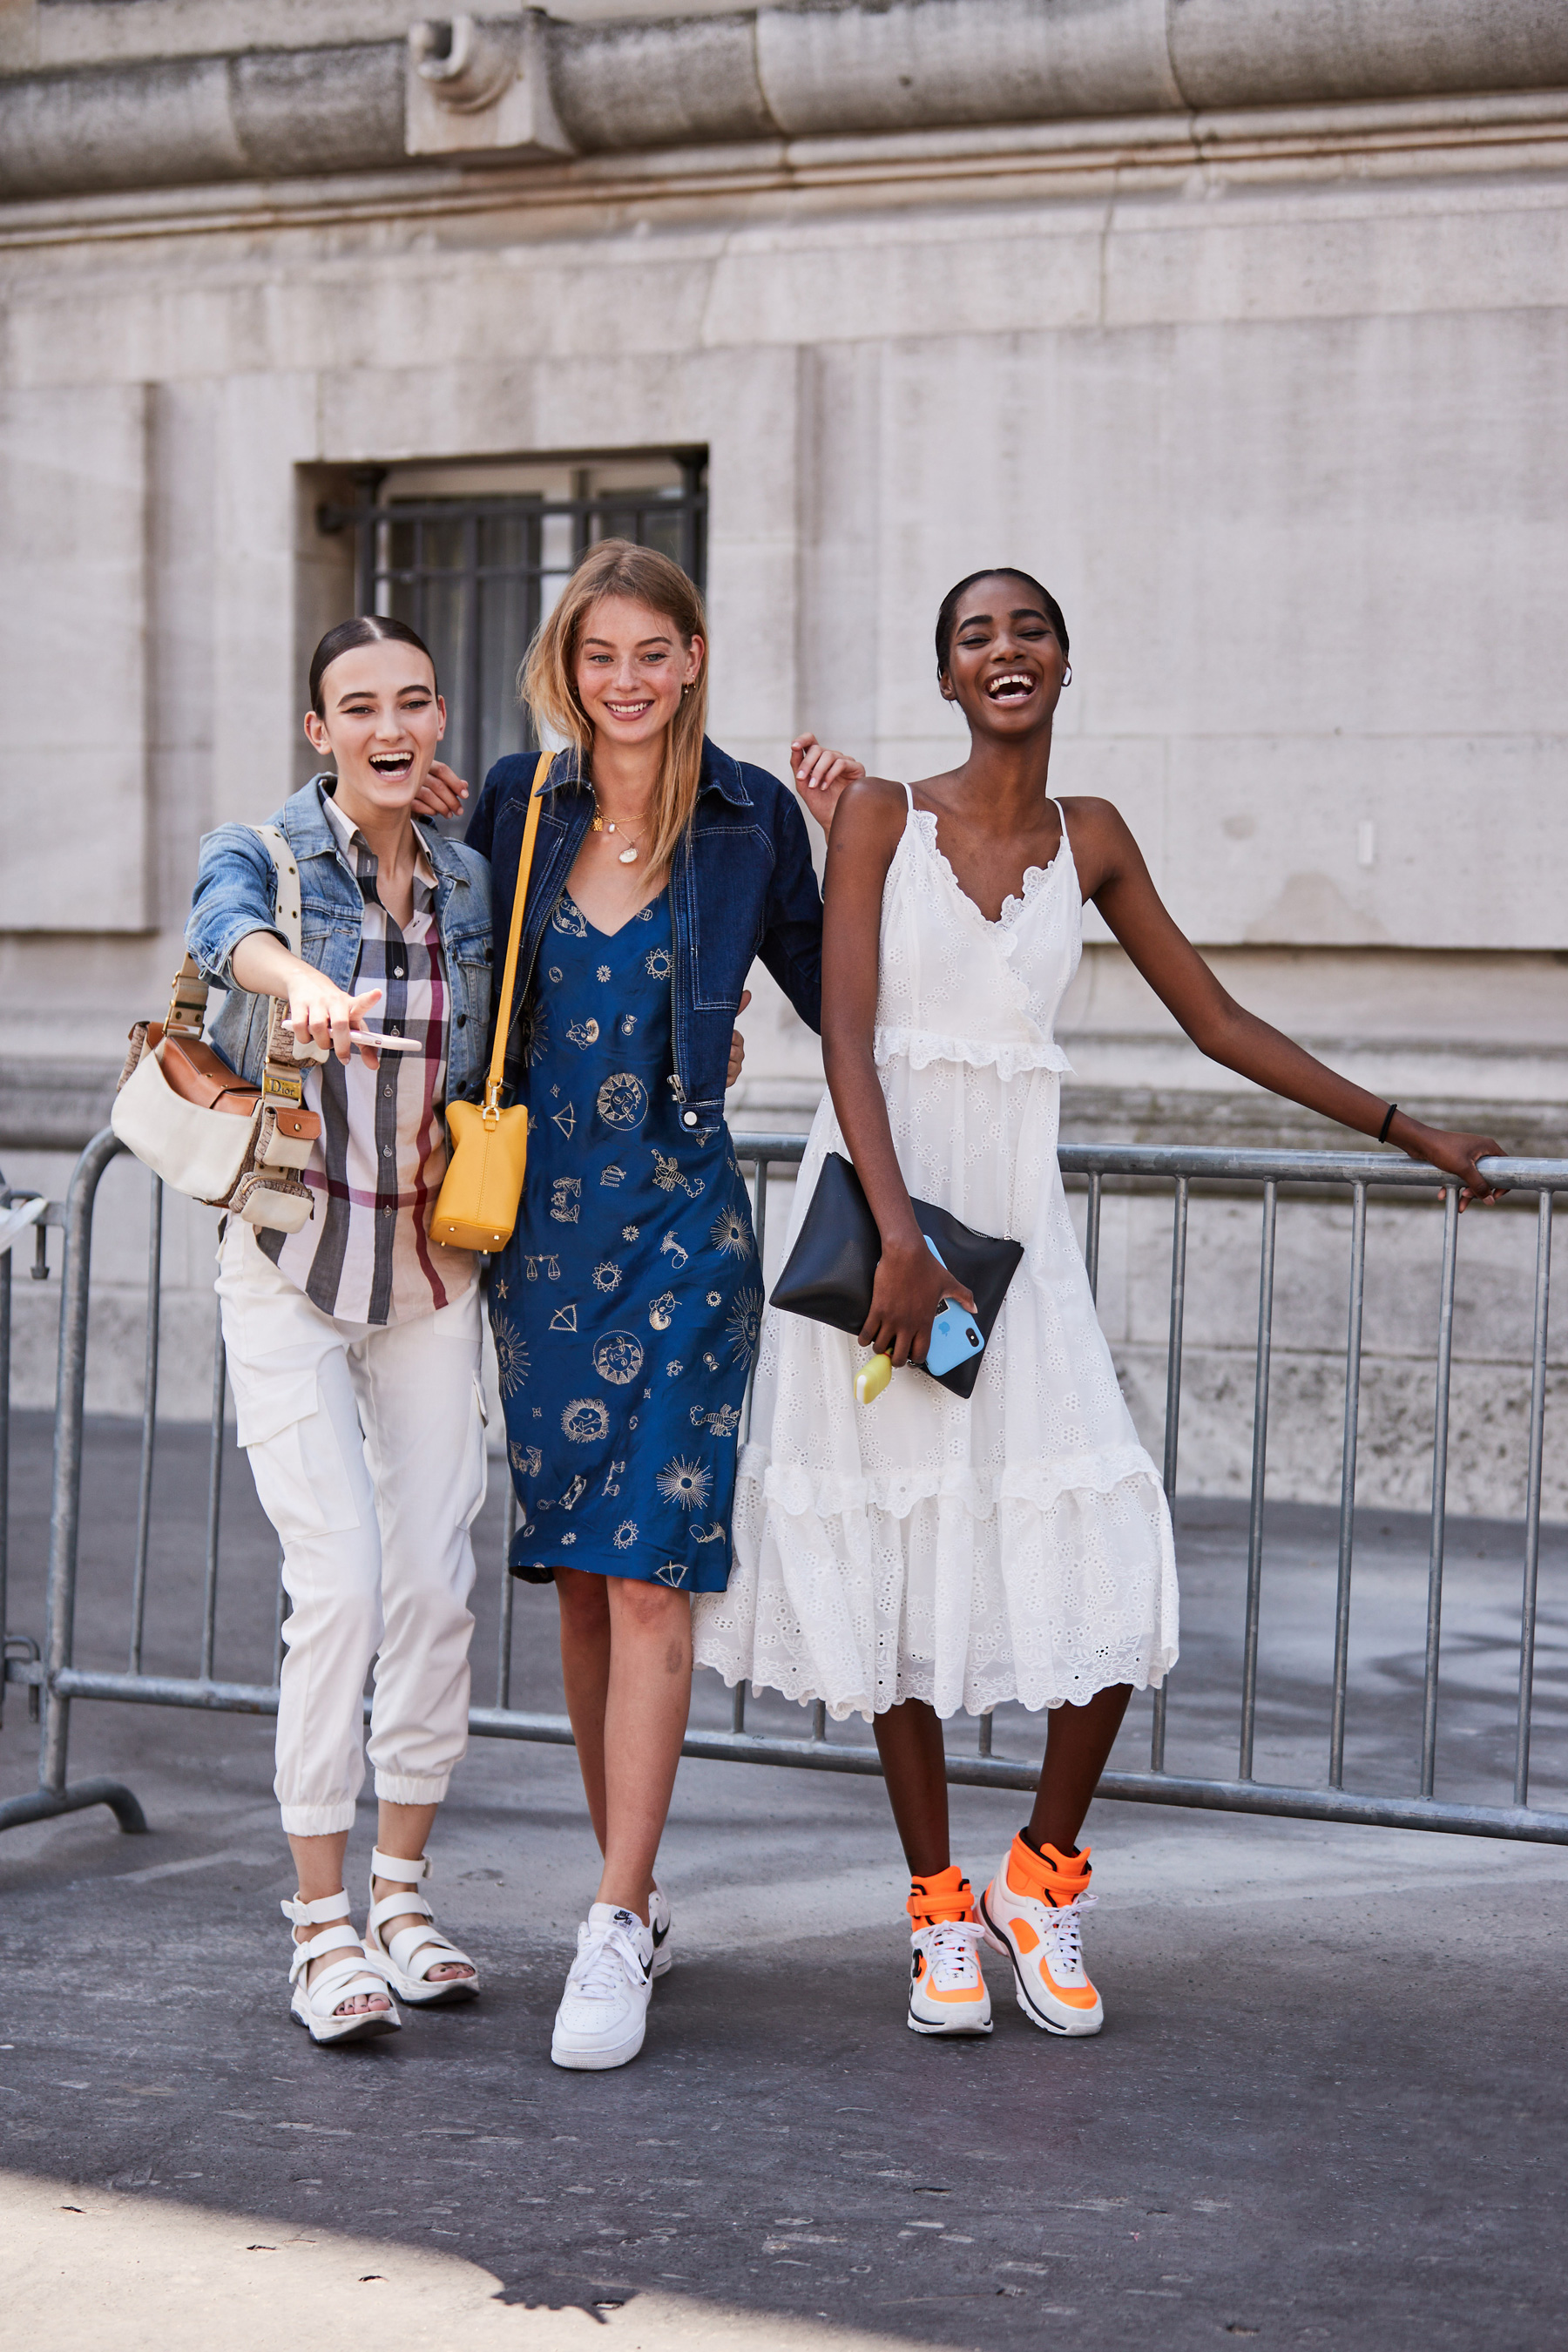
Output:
(1015, 1546)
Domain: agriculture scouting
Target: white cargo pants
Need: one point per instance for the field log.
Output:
(367, 1445)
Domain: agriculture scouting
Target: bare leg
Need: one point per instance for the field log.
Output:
(647, 1704)
(320, 1864)
(1079, 1741)
(910, 1743)
(401, 1831)
(585, 1672)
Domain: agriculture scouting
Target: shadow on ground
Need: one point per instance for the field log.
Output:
(1326, 2107)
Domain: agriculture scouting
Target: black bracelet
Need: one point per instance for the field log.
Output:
(1388, 1122)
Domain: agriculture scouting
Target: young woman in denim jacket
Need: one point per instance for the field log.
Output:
(626, 1308)
(353, 1345)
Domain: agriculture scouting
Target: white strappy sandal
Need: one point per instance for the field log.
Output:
(412, 1951)
(313, 2003)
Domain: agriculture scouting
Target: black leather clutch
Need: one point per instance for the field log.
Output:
(833, 1265)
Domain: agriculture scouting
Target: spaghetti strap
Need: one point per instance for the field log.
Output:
(909, 797)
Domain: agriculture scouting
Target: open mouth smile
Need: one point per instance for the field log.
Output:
(630, 711)
(391, 764)
(1013, 686)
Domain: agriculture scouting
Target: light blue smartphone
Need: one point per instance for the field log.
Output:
(954, 1334)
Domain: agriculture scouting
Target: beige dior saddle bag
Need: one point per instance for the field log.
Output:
(185, 1115)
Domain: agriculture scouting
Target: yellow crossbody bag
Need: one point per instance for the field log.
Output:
(483, 1185)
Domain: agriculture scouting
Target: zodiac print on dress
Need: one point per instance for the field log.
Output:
(569, 918)
(567, 1120)
(527, 1459)
(667, 1175)
(551, 1267)
(607, 1278)
(623, 1100)
(745, 1322)
(731, 1235)
(565, 1318)
(565, 1200)
(612, 1177)
(685, 1482)
(661, 1310)
(722, 1422)
(586, 1421)
(618, 1358)
(612, 1485)
(584, 1034)
(671, 1247)
(658, 963)
(511, 1356)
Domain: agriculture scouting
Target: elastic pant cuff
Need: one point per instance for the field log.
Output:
(317, 1820)
(412, 1787)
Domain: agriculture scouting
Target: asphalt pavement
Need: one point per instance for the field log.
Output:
(1326, 2109)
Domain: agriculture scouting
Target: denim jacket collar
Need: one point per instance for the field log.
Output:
(306, 824)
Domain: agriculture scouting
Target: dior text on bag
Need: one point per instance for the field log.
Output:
(186, 1116)
(483, 1184)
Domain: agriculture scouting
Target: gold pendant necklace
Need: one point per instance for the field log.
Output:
(628, 857)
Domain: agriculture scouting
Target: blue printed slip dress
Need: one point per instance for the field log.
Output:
(627, 1304)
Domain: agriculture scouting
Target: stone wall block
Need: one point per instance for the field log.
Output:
(683, 81)
(74, 624)
(835, 68)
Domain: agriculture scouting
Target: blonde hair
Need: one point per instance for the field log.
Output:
(548, 678)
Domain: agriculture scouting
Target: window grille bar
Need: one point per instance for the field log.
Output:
(1347, 1485)
(1259, 1467)
(1439, 1488)
(214, 1503)
(1532, 1503)
(149, 1420)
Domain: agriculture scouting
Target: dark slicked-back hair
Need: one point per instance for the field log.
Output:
(947, 618)
(368, 629)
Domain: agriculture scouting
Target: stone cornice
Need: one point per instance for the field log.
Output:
(521, 84)
(1413, 139)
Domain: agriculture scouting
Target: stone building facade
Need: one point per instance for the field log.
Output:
(1245, 325)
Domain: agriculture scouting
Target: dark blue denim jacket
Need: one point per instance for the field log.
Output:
(742, 886)
(237, 893)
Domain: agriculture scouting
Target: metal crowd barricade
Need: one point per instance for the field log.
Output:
(55, 1678)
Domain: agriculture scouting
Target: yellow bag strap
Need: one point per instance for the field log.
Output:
(514, 940)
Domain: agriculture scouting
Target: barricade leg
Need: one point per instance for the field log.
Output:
(54, 1794)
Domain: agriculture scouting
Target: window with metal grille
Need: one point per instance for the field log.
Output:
(474, 556)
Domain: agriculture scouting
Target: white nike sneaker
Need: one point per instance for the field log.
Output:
(603, 2014)
(660, 1925)
(947, 1990)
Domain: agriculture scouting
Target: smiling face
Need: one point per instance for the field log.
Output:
(383, 723)
(1006, 664)
(630, 666)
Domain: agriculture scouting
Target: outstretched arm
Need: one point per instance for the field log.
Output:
(910, 1286)
(1112, 872)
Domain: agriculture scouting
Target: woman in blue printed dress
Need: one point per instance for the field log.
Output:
(622, 1377)
(627, 1306)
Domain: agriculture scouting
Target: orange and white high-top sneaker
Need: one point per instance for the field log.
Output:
(1031, 1912)
(947, 1991)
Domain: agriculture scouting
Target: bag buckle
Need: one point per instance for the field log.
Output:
(278, 1085)
(491, 1114)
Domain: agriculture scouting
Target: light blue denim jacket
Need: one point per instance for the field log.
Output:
(237, 893)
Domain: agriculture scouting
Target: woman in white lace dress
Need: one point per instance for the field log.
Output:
(921, 1554)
